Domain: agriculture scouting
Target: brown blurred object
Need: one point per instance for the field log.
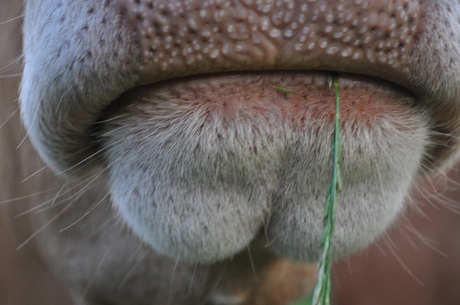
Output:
(417, 262)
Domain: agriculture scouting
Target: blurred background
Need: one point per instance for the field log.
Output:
(418, 261)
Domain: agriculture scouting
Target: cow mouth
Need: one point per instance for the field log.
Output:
(364, 98)
(294, 98)
(246, 147)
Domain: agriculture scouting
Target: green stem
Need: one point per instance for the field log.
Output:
(322, 291)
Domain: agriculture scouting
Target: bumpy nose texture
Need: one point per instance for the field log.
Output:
(199, 36)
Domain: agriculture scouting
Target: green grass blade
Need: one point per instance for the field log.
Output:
(322, 291)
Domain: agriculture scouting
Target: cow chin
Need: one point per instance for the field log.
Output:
(200, 177)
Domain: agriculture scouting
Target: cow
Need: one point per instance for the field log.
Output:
(175, 169)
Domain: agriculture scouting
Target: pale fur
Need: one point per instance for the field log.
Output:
(171, 194)
(207, 185)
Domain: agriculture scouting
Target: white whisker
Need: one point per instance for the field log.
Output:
(12, 19)
(9, 117)
(93, 277)
(52, 219)
(86, 213)
(392, 248)
(131, 269)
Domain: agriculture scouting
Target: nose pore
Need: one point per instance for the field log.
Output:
(189, 37)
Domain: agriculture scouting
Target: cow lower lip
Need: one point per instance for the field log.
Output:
(285, 93)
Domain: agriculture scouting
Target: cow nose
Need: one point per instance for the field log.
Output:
(195, 37)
